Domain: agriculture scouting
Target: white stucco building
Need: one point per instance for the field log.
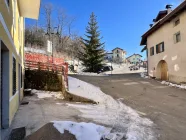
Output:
(119, 55)
(134, 59)
(165, 43)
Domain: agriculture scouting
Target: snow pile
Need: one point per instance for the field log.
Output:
(123, 68)
(173, 85)
(144, 75)
(82, 131)
(117, 69)
(92, 74)
(113, 113)
(47, 94)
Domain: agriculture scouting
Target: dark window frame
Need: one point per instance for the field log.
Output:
(14, 89)
(176, 39)
(8, 2)
(176, 21)
(158, 49)
(152, 51)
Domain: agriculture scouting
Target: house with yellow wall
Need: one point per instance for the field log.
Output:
(165, 43)
(12, 26)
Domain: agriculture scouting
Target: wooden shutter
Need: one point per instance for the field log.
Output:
(163, 48)
(156, 49)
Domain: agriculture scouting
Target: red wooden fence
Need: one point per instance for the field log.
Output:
(43, 62)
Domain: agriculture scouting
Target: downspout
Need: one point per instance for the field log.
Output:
(147, 60)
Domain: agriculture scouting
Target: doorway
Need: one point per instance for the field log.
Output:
(162, 69)
(4, 92)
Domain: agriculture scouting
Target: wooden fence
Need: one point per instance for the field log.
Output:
(61, 69)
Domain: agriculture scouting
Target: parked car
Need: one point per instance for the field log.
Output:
(133, 68)
(106, 68)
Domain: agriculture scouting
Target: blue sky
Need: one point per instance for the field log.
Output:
(121, 22)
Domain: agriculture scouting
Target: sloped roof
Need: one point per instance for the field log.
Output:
(164, 20)
(161, 15)
(118, 49)
(133, 55)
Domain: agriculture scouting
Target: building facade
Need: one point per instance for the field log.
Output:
(108, 56)
(12, 25)
(134, 59)
(119, 55)
(166, 45)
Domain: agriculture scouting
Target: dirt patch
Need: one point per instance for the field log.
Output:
(74, 98)
(18, 134)
(49, 132)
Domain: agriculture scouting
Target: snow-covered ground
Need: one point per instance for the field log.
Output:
(47, 94)
(122, 68)
(82, 131)
(117, 69)
(113, 113)
(144, 75)
(183, 86)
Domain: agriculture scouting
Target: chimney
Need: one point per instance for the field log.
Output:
(169, 8)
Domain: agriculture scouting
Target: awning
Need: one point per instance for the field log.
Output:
(29, 8)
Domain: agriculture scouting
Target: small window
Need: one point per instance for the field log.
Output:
(117, 55)
(177, 37)
(176, 22)
(151, 51)
(14, 75)
(160, 48)
(8, 2)
(117, 51)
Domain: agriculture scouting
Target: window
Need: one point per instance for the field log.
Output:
(117, 55)
(151, 51)
(8, 2)
(117, 51)
(14, 75)
(176, 22)
(160, 48)
(177, 37)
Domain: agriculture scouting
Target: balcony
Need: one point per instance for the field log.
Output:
(29, 8)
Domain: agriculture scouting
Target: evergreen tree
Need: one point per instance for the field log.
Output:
(93, 53)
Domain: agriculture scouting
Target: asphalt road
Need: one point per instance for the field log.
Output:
(165, 106)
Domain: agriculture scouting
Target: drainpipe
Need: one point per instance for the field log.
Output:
(147, 61)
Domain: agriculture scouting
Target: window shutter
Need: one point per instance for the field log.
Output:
(163, 48)
(156, 49)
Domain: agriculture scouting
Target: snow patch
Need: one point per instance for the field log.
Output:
(181, 86)
(110, 112)
(92, 74)
(82, 131)
(144, 75)
(47, 94)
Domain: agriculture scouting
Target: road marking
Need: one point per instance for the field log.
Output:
(131, 83)
(124, 80)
